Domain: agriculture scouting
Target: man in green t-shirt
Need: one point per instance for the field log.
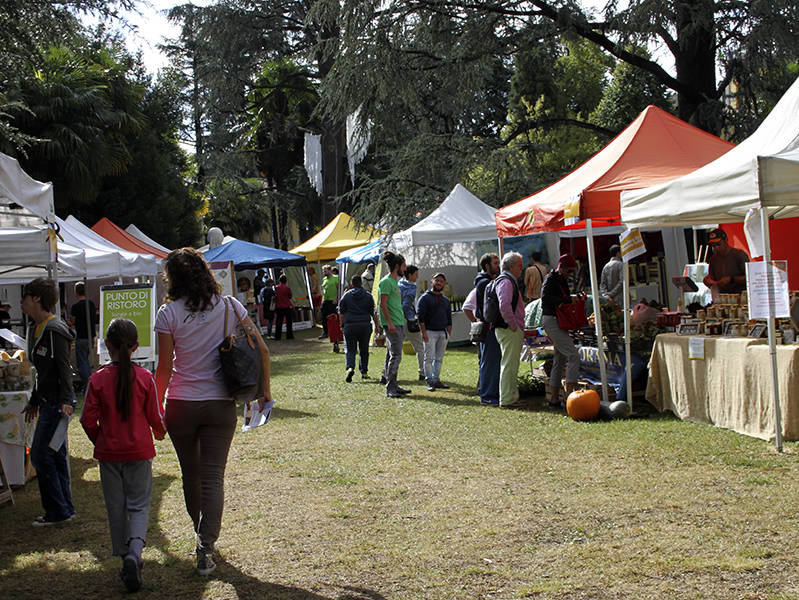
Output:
(392, 318)
(329, 297)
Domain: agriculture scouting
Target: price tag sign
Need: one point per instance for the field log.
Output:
(696, 348)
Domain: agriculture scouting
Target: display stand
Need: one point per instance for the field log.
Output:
(5, 486)
(15, 434)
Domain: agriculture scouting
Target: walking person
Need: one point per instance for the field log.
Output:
(121, 409)
(393, 321)
(268, 305)
(554, 292)
(200, 413)
(413, 333)
(52, 400)
(435, 321)
(284, 308)
(329, 297)
(84, 331)
(356, 311)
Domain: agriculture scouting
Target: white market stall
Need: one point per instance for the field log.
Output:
(760, 175)
(451, 240)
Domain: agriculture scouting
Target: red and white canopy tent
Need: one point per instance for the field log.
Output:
(114, 233)
(655, 148)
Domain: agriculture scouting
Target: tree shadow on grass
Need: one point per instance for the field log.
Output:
(28, 569)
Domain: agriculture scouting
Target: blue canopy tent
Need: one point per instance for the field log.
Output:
(368, 253)
(247, 256)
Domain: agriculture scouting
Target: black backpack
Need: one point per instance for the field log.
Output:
(491, 312)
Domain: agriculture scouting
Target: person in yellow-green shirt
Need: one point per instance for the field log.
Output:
(392, 318)
(329, 297)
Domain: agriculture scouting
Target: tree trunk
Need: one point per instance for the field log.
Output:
(696, 64)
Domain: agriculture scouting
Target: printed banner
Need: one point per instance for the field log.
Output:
(223, 273)
(135, 302)
(632, 244)
(614, 368)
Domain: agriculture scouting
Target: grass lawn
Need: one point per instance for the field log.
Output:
(349, 495)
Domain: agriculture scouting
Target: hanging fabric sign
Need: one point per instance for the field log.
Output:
(632, 244)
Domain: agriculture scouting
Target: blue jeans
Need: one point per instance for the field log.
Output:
(82, 356)
(490, 357)
(52, 468)
(357, 335)
(434, 349)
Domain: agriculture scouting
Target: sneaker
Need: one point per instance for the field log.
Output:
(130, 573)
(403, 390)
(515, 405)
(383, 380)
(205, 564)
(422, 377)
(441, 386)
(431, 387)
(364, 375)
(393, 395)
(44, 522)
(350, 373)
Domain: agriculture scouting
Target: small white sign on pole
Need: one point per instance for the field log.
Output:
(632, 244)
(767, 284)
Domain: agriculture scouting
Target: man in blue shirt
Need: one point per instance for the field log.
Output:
(435, 321)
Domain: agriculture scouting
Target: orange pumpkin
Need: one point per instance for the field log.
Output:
(583, 405)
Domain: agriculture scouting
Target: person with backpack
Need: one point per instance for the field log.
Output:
(268, 302)
(554, 292)
(121, 409)
(503, 307)
(490, 353)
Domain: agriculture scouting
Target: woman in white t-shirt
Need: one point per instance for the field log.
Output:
(200, 414)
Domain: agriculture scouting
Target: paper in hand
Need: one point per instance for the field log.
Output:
(12, 337)
(257, 417)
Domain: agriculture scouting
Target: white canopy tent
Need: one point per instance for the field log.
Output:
(761, 174)
(139, 234)
(108, 260)
(19, 187)
(449, 239)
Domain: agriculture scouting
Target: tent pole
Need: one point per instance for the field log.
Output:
(88, 317)
(597, 309)
(772, 345)
(310, 292)
(627, 356)
(501, 246)
(696, 245)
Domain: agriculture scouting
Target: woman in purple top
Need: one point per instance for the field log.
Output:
(200, 414)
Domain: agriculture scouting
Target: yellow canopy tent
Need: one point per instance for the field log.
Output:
(342, 233)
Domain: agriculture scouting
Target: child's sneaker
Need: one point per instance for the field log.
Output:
(205, 564)
(130, 573)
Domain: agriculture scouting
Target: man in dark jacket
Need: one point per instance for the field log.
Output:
(356, 311)
(85, 331)
(490, 353)
(52, 398)
(435, 322)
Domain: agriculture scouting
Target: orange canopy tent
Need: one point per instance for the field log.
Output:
(112, 232)
(655, 148)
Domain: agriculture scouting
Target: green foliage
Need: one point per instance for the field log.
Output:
(531, 385)
(83, 115)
